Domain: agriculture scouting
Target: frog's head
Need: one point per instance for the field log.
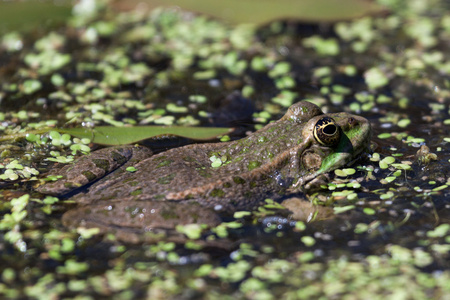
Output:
(336, 140)
(330, 140)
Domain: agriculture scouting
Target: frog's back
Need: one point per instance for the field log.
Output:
(183, 173)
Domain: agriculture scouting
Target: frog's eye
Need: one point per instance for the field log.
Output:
(327, 132)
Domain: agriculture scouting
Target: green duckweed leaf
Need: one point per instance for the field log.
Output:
(131, 169)
(387, 195)
(241, 214)
(439, 231)
(369, 211)
(308, 240)
(342, 209)
(375, 78)
(30, 86)
(107, 135)
(384, 135)
(260, 12)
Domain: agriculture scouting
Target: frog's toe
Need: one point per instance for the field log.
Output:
(315, 184)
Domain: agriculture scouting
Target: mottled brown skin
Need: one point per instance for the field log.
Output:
(275, 161)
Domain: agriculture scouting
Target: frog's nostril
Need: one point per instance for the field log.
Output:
(352, 121)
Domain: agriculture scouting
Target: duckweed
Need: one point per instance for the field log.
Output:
(31, 86)
(253, 165)
(131, 169)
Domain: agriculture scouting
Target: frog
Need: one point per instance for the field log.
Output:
(130, 186)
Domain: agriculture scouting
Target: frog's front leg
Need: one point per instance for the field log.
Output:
(91, 167)
(317, 183)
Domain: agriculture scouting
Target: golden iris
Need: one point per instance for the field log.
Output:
(327, 132)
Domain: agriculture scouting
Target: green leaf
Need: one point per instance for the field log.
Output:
(131, 169)
(241, 214)
(260, 12)
(342, 209)
(369, 211)
(27, 15)
(30, 86)
(375, 78)
(384, 135)
(107, 135)
(308, 240)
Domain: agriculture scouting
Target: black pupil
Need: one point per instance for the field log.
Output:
(329, 129)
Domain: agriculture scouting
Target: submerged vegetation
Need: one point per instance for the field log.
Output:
(389, 225)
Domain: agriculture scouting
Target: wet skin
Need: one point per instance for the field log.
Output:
(285, 157)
